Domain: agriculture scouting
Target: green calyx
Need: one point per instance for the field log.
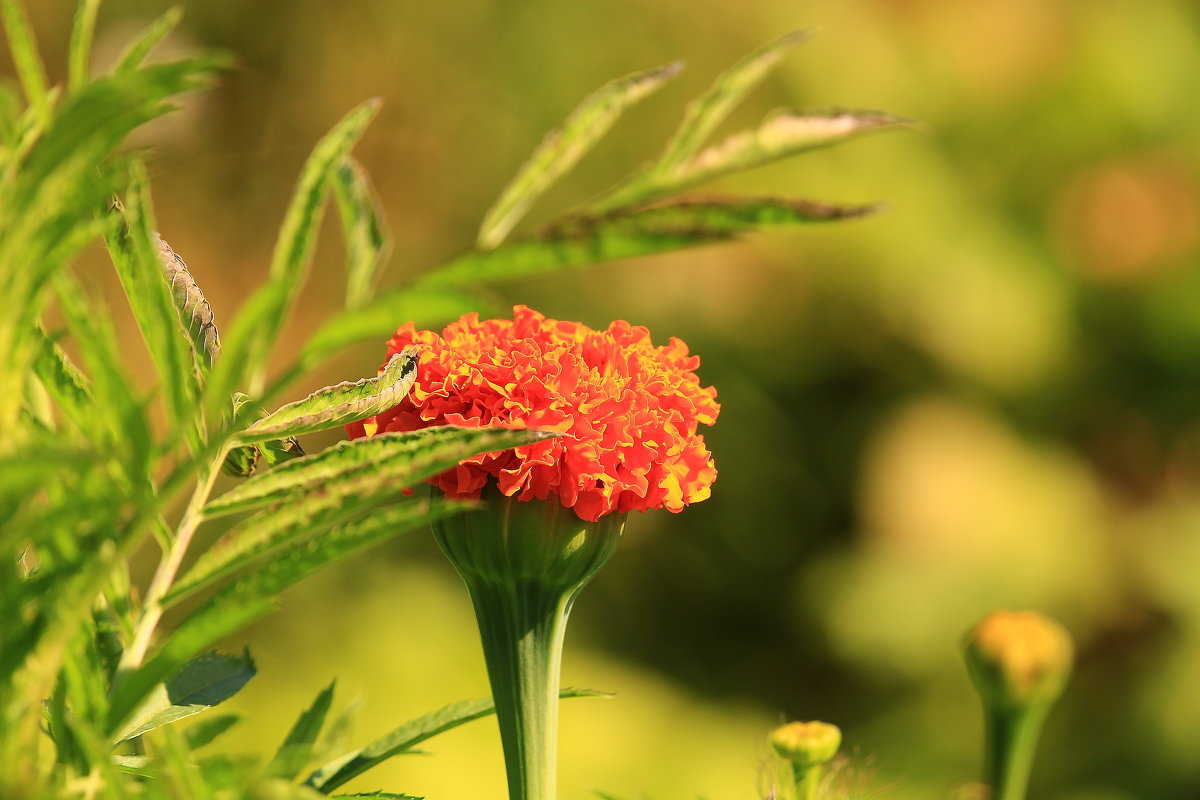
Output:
(524, 563)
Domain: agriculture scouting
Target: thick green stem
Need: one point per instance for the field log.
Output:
(524, 564)
(1012, 736)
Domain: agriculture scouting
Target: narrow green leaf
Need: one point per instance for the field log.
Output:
(199, 684)
(783, 134)
(393, 459)
(708, 110)
(401, 740)
(368, 243)
(252, 595)
(195, 314)
(382, 795)
(256, 327)
(379, 319)
(28, 62)
(80, 49)
(201, 733)
(729, 215)
(296, 751)
(68, 387)
(564, 146)
(337, 405)
(134, 252)
(136, 51)
(574, 247)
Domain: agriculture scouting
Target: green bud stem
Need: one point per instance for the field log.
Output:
(524, 563)
(1012, 736)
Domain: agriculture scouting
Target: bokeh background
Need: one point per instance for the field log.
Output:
(987, 396)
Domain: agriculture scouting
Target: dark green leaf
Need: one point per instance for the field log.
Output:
(403, 739)
(199, 684)
(297, 749)
(205, 731)
(564, 146)
(337, 405)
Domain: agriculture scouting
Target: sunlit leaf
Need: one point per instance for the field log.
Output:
(394, 459)
(340, 404)
(404, 738)
(565, 145)
(23, 48)
(136, 51)
(368, 243)
(80, 48)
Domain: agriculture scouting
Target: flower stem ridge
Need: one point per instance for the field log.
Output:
(524, 563)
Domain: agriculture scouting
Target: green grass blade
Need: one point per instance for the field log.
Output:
(400, 459)
(136, 51)
(564, 146)
(297, 749)
(134, 251)
(258, 325)
(404, 738)
(379, 319)
(195, 314)
(368, 243)
(79, 57)
(200, 684)
(253, 595)
(708, 110)
(26, 59)
(338, 405)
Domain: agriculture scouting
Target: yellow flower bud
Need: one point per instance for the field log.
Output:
(806, 744)
(1019, 658)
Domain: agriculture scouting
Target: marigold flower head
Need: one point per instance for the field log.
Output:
(629, 411)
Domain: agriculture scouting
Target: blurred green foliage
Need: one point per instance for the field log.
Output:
(987, 396)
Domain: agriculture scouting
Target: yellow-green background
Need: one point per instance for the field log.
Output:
(987, 396)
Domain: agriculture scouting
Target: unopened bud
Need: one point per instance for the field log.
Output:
(1019, 658)
(806, 744)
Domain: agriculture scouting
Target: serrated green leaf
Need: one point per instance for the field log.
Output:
(565, 145)
(28, 62)
(252, 595)
(296, 751)
(195, 314)
(399, 460)
(68, 387)
(404, 738)
(201, 733)
(80, 48)
(708, 110)
(199, 684)
(783, 134)
(256, 327)
(368, 242)
(134, 252)
(379, 319)
(338, 405)
(136, 51)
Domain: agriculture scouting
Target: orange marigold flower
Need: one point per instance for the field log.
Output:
(629, 411)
